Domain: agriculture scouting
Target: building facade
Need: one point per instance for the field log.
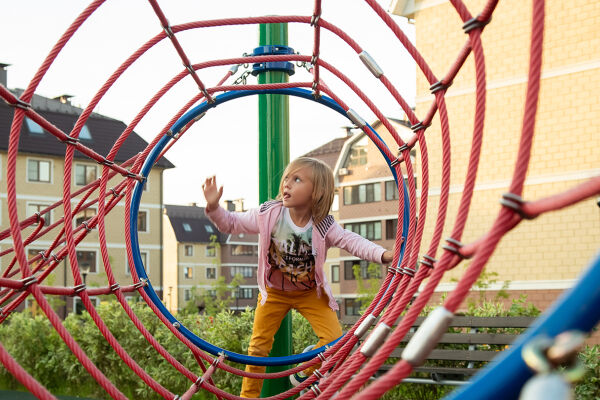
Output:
(40, 166)
(543, 257)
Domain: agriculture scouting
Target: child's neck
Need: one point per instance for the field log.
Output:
(300, 215)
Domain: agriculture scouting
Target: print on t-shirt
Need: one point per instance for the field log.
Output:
(290, 255)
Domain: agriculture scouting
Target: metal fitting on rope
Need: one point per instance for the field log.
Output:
(43, 254)
(322, 357)
(439, 85)
(313, 59)
(371, 64)
(427, 336)
(515, 203)
(206, 95)
(114, 287)
(70, 140)
(234, 69)
(375, 340)
(87, 228)
(55, 257)
(315, 389)
(106, 162)
(199, 381)
(177, 397)
(364, 326)
(176, 325)
(318, 374)
(315, 19)
(402, 148)
(454, 246)
(356, 119)
(38, 216)
(199, 116)
(189, 69)
(475, 23)
(20, 104)
(418, 126)
(30, 280)
(142, 282)
(393, 269)
(114, 192)
(168, 30)
(428, 261)
(395, 162)
(79, 288)
(409, 271)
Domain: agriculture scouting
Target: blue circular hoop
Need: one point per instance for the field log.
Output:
(135, 204)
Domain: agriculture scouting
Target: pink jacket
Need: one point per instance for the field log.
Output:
(326, 234)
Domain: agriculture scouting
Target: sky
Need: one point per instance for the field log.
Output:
(225, 141)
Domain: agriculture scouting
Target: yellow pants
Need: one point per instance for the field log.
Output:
(267, 320)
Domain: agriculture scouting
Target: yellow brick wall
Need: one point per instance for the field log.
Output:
(558, 245)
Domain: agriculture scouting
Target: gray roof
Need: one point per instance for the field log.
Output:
(200, 229)
(104, 132)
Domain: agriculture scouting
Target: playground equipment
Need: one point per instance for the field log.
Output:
(352, 370)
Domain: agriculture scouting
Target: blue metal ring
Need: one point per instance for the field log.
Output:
(135, 204)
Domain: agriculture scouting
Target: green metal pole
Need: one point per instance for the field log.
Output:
(273, 157)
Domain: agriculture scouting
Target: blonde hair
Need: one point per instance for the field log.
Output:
(323, 186)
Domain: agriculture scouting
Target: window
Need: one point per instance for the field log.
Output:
(144, 256)
(78, 306)
(188, 272)
(187, 227)
(209, 228)
(243, 293)
(358, 153)
(33, 126)
(366, 193)
(187, 294)
(211, 293)
(189, 250)
(85, 174)
(211, 251)
(84, 215)
(85, 133)
(369, 230)
(242, 250)
(87, 259)
(211, 273)
(335, 273)
(38, 171)
(391, 190)
(365, 271)
(33, 208)
(352, 306)
(245, 272)
(142, 221)
(391, 225)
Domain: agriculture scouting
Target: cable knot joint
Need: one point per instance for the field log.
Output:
(453, 246)
(418, 126)
(475, 23)
(515, 203)
(79, 288)
(439, 85)
(30, 280)
(20, 104)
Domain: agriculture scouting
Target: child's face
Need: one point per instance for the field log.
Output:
(298, 188)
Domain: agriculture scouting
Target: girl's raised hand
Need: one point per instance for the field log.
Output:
(211, 193)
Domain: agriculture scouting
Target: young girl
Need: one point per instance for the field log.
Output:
(295, 232)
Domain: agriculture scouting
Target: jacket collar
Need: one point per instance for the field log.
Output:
(322, 227)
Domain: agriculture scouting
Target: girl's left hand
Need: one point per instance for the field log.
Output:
(387, 257)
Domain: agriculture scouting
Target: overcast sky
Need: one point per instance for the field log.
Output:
(224, 142)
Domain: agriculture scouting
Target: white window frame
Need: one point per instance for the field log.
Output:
(185, 247)
(77, 299)
(85, 165)
(39, 203)
(146, 264)
(187, 293)
(184, 272)
(147, 211)
(49, 160)
(206, 251)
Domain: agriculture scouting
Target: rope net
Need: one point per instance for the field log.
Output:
(345, 372)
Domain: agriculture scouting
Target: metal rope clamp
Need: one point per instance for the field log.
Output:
(556, 365)
(282, 66)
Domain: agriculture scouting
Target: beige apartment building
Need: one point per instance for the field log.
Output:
(542, 257)
(192, 254)
(39, 180)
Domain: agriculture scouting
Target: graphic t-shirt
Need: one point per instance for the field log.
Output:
(290, 255)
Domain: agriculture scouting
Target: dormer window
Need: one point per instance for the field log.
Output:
(33, 126)
(85, 133)
(358, 153)
(187, 227)
(208, 228)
